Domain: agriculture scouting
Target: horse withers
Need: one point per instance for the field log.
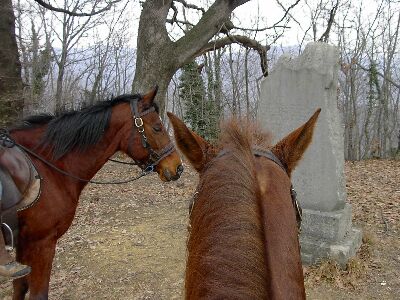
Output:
(243, 240)
(67, 151)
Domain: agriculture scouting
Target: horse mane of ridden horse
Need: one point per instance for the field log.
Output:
(80, 143)
(243, 240)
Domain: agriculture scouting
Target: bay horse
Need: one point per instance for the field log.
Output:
(78, 144)
(243, 240)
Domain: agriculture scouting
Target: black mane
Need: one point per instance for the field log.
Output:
(75, 129)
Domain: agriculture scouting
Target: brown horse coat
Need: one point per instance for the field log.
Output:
(81, 154)
(243, 241)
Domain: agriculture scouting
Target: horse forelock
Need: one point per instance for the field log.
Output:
(242, 132)
(226, 245)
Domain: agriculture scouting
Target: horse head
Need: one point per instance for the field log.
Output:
(147, 141)
(243, 240)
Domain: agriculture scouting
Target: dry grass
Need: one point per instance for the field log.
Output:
(330, 272)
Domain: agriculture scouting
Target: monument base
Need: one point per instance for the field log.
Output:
(329, 235)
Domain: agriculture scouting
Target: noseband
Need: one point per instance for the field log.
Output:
(154, 157)
(271, 156)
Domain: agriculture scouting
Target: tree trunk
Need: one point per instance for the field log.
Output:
(234, 86)
(60, 104)
(398, 143)
(155, 59)
(246, 81)
(218, 81)
(11, 96)
(158, 58)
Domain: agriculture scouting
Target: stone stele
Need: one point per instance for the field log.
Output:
(292, 92)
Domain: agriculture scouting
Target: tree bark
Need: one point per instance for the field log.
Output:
(246, 82)
(154, 62)
(11, 87)
(158, 58)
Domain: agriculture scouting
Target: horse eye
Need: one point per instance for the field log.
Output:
(157, 128)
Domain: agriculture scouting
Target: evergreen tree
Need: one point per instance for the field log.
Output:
(41, 60)
(200, 113)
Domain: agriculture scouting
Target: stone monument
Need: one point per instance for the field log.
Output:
(291, 93)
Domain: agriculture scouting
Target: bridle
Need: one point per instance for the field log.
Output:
(154, 156)
(258, 152)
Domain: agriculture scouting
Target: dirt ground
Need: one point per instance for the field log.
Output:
(129, 241)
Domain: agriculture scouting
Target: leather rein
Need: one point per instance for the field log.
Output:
(147, 167)
(258, 152)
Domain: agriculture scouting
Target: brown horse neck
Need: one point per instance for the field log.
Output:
(84, 164)
(283, 261)
(243, 242)
(226, 256)
(87, 163)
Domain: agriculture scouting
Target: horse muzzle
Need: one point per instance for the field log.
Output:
(172, 176)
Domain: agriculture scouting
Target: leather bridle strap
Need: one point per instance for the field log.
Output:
(271, 156)
(155, 157)
(167, 150)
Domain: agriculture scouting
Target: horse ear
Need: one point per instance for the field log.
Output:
(149, 97)
(192, 145)
(291, 148)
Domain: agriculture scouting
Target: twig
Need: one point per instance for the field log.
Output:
(385, 222)
(75, 14)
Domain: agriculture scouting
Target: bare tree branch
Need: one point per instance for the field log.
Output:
(173, 19)
(210, 23)
(380, 74)
(286, 12)
(261, 29)
(244, 41)
(192, 6)
(276, 25)
(325, 36)
(75, 14)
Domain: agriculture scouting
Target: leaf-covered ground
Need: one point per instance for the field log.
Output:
(373, 189)
(128, 241)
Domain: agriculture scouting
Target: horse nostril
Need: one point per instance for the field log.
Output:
(167, 175)
(179, 170)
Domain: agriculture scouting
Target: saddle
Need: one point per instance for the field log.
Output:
(19, 187)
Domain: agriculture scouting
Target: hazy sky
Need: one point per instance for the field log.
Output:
(269, 12)
(261, 12)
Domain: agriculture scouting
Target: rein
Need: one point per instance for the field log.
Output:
(271, 156)
(148, 167)
(8, 142)
(143, 173)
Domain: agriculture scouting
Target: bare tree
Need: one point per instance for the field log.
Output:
(369, 91)
(73, 28)
(159, 57)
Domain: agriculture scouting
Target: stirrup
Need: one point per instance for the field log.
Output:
(8, 228)
(14, 270)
